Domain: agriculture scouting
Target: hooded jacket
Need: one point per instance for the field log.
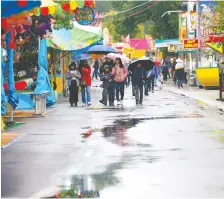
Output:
(86, 75)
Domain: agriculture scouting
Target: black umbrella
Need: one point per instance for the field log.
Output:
(145, 62)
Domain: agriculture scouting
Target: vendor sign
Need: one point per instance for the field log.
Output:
(190, 43)
(216, 46)
(84, 16)
(182, 26)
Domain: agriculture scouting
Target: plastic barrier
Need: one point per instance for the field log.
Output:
(208, 77)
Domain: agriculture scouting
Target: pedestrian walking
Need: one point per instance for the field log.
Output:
(74, 78)
(108, 87)
(147, 76)
(165, 72)
(120, 74)
(96, 68)
(86, 83)
(185, 75)
(179, 72)
(152, 77)
(138, 75)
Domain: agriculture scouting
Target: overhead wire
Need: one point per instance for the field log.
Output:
(127, 9)
(137, 12)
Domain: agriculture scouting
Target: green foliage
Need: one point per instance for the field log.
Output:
(220, 10)
(159, 28)
(63, 20)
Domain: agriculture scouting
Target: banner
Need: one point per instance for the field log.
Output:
(182, 26)
(193, 20)
(191, 43)
(216, 46)
(207, 18)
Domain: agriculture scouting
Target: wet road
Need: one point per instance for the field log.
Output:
(171, 146)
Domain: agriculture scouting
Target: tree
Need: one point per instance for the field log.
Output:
(160, 28)
(220, 12)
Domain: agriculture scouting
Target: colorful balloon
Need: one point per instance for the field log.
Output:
(22, 3)
(66, 7)
(73, 5)
(52, 9)
(80, 3)
(58, 9)
(44, 11)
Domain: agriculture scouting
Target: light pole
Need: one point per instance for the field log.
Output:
(171, 11)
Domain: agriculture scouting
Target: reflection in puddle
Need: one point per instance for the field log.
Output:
(88, 186)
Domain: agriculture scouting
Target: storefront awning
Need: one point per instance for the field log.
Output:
(77, 38)
(165, 43)
(215, 38)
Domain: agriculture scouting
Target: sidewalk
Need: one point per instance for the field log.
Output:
(205, 97)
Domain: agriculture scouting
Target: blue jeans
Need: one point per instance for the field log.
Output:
(119, 87)
(96, 73)
(151, 83)
(86, 93)
(179, 83)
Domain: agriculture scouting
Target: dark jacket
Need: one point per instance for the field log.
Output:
(96, 64)
(107, 79)
(138, 76)
(180, 74)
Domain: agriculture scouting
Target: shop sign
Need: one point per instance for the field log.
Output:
(193, 20)
(216, 46)
(191, 43)
(214, 30)
(84, 16)
(182, 26)
(171, 48)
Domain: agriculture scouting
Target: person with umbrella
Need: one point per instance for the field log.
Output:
(85, 70)
(120, 74)
(146, 63)
(138, 75)
(74, 77)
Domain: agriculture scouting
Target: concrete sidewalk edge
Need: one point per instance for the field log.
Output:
(200, 100)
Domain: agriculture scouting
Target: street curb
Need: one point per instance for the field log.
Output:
(11, 142)
(197, 100)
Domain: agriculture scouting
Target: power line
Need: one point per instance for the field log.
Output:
(127, 9)
(137, 12)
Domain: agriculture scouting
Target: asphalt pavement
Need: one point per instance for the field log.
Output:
(171, 146)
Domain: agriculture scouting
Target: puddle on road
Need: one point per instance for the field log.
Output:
(88, 186)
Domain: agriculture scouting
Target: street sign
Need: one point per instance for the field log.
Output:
(190, 43)
(85, 15)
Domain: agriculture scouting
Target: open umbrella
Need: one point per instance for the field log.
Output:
(123, 58)
(146, 63)
(101, 49)
(81, 57)
(9, 8)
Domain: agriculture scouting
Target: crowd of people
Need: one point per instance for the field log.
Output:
(115, 76)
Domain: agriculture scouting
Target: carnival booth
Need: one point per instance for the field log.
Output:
(26, 27)
(209, 74)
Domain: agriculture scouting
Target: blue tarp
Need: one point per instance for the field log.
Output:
(25, 102)
(43, 81)
(10, 7)
(12, 95)
(3, 96)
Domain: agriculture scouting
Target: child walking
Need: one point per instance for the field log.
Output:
(108, 87)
